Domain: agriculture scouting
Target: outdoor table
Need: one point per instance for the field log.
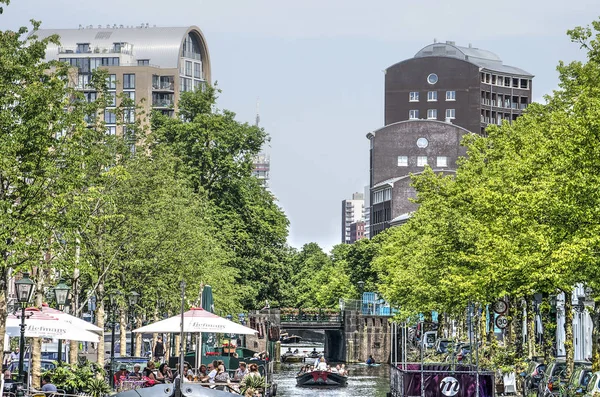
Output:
(131, 384)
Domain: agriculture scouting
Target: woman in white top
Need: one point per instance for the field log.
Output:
(322, 365)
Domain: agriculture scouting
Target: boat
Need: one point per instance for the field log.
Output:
(292, 358)
(286, 338)
(321, 378)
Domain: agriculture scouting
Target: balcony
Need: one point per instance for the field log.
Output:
(162, 103)
(163, 86)
(192, 55)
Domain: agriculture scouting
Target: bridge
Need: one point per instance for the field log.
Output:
(352, 333)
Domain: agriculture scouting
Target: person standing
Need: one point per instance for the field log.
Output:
(159, 350)
(47, 384)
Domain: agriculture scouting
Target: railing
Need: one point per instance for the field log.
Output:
(162, 103)
(192, 55)
(169, 86)
(320, 316)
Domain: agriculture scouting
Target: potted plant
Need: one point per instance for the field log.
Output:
(97, 388)
(252, 385)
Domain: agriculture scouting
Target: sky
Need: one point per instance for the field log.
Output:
(316, 68)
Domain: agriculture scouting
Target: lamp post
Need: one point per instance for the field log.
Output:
(60, 293)
(133, 300)
(361, 287)
(24, 289)
(113, 308)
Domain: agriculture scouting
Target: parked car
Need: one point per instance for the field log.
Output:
(579, 381)
(532, 377)
(593, 385)
(443, 346)
(428, 341)
(555, 375)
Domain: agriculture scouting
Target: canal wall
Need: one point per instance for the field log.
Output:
(366, 335)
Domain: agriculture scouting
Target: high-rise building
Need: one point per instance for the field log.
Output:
(431, 101)
(262, 161)
(352, 211)
(469, 86)
(367, 196)
(149, 65)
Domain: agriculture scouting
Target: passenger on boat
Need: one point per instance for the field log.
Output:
(296, 351)
(202, 371)
(240, 372)
(370, 360)
(343, 370)
(322, 366)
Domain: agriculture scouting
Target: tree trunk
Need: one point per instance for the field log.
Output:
(518, 336)
(549, 326)
(3, 305)
(36, 343)
(595, 314)
(138, 339)
(569, 350)
(74, 345)
(530, 328)
(123, 333)
(154, 335)
(509, 332)
(100, 323)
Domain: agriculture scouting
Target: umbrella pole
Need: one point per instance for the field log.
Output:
(199, 336)
(181, 350)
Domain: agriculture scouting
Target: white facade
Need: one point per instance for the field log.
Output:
(352, 211)
(582, 325)
(367, 211)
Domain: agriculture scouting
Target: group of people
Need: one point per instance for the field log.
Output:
(321, 365)
(214, 372)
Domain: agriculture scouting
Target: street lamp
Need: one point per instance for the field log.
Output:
(24, 289)
(113, 300)
(61, 291)
(133, 300)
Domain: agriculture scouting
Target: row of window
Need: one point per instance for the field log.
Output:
(382, 195)
(189, 66)
(382, 215)
(190, 84)
(432, 96)
(504, 81)
(432, 114)
(110, 117)
(441, 161)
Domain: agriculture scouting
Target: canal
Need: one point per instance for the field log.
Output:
(363, 382)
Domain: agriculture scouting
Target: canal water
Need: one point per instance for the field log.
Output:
(363, 382)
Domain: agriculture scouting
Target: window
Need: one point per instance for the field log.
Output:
(83, 81)
(188, 68)
(451, 95)
(186, 85)
(83, 47)
(197, 70)
(450, 114)
(110, 117)
(111, 81)
(143, 62)
(91, 96)
(128, 81)
(432, 96)
(432, 78)
(112, 130)
(413, 114)
(382, 195)
(432, 114)
(129, 116)
(442, 161)
(111, 99)
(421, 161)
(129, 95)
(413, 96)
(402, 161)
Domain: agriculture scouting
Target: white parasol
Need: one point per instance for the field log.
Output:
(197, 320)
(76, 322)
(42, 325)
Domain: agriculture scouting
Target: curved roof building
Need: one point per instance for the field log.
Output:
(471, 87)
(150, 65)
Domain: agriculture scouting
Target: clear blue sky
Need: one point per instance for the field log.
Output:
(317, 67)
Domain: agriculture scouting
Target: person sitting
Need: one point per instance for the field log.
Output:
(296, 351)
(212, 371)
(222, 376)
(47, 385)
(9, 383)
(164, 374)
(343, 370)
(337, 369)
(312, 368)
(148, 374)
(240, 372)
(136, 374)
(322, 366)
(202, 371)
(121, 374)
(289, 351)
(370, 360)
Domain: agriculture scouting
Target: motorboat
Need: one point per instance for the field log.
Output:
(287, 339)
(321, 378)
